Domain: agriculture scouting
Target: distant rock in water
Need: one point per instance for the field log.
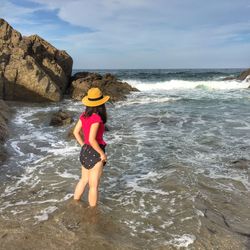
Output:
(245, 75)
(31, 69)
(61, 118)
(108, 83)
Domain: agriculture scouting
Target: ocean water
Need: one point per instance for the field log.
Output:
(169, 183)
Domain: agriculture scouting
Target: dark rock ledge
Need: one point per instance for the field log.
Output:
(109, 84)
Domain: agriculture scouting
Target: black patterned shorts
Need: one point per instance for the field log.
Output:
(89, 156)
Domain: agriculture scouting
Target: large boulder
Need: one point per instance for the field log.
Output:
(31, 69)
(108, 83)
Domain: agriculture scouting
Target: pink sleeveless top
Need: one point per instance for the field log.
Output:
(86, 124)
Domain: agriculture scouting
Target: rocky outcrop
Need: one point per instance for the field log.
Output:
(61, 118)
(4, 131)
(31, 69)
(245, 75)
(108, 83)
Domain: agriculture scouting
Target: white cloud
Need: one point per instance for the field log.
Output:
(15, 14)
(126, 32)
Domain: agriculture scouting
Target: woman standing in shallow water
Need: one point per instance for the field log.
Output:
(92, 155)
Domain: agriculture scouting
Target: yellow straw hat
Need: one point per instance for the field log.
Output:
(94, 98)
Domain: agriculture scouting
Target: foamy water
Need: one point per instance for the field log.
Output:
(180, 84)
(169, 153)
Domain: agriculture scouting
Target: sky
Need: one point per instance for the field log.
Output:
(139, 34)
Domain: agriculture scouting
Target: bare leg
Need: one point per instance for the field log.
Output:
(94, 179)
(81, 184)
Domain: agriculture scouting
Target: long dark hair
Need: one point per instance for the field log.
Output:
(100, 110)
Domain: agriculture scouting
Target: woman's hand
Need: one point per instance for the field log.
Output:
(103, 157)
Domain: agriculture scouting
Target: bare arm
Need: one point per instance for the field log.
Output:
(77, 132)
(93, 142)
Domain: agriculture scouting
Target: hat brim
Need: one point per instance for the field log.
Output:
(89, 103)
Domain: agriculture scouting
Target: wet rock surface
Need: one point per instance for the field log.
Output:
(241, 164)
(31, 69)
(61, 118)
(223, 219)
(74, 226)
(245, 75)
(108, 83)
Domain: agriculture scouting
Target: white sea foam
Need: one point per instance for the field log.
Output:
(61, 150)
(15, 146)
(8, 204)
(147, 99)
(66, 174)
(187, 218)
(182, 241)
(24, 179)
(44, 214)
(166, 224)
(66, 197)
(181, 84)
(133, 183)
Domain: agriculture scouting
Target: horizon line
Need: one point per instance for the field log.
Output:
(240, 68)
